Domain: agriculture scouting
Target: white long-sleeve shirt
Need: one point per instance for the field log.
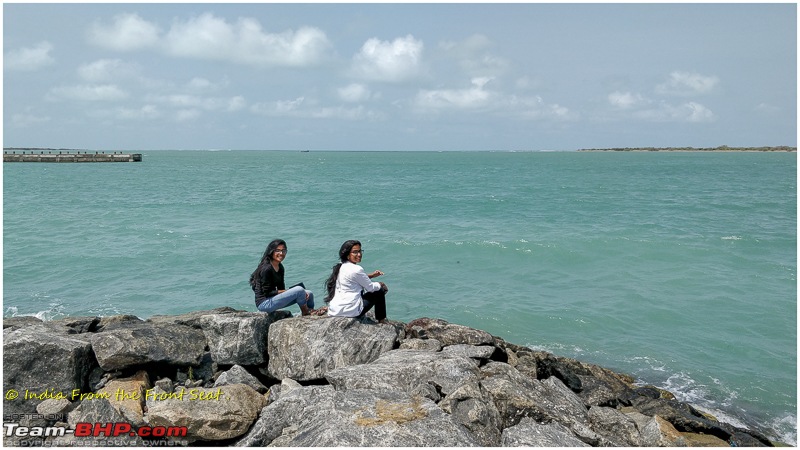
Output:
(347, 301)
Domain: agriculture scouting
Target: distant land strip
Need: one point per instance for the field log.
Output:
(722, 148)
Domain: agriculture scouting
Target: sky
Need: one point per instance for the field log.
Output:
(394, 77)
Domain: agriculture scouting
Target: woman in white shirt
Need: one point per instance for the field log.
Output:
(351, 293)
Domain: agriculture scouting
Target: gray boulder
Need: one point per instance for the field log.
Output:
(481, 352)
(407, 370)
(239, 375)
(472, 406)
(120, 321)
(307, 348)
(447, 333)
(319, 416)
(655, 431)
(18, 322)
(213, 414)
(594, 384)
(517, 396)
(38, 361)
(191, 319)
(55, 408)
(146, 343)
(421, 344)
(687, 419)
(529, 433)
(615, 426)
(237, 338)
(97, 411)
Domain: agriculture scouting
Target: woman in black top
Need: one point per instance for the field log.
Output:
(268, 285)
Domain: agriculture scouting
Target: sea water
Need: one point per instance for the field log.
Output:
(677, 268)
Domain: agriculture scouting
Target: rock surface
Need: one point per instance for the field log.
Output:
(233, 378)
(307, 348)
(322, 416)
(147, 343)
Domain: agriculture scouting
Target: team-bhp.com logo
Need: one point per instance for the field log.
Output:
(86, 429)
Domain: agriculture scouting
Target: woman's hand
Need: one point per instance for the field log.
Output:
(384, 287)
(377, 273)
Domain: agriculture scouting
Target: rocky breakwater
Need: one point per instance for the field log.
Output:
(233, 378)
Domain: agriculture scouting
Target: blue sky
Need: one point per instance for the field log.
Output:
(398, 76)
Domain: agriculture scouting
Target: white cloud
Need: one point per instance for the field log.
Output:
(354, 93)
(199, 84)
(212, 38)
(471, 98)
(236, 103)
(89, 93)
(197, 102)
(478, 99)
(105, 70)
(626, 100)
(185, 115)
(767, 108)
(146, 112)
(26, 59)
(473, 56)
(305, 109)
(687, 112)
(527, 83)
(395, 61)
(685, 83)
(126, 32)
(695, 112)
(535, 108)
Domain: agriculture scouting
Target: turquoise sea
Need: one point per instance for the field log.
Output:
(677, 268)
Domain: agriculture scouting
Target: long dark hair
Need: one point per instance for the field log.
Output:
(265, 259)
(330, 283)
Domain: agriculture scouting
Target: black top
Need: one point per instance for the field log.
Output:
(267, 283)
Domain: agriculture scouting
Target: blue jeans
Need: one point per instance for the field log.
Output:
(289, 297)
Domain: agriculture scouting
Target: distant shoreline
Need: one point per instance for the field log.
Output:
(723, 148)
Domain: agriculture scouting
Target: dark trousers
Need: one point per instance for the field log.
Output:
(376, 299)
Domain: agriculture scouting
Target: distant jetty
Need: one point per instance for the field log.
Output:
(66, 155)
(722, 148)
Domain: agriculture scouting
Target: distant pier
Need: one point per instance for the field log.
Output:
(73, 156)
